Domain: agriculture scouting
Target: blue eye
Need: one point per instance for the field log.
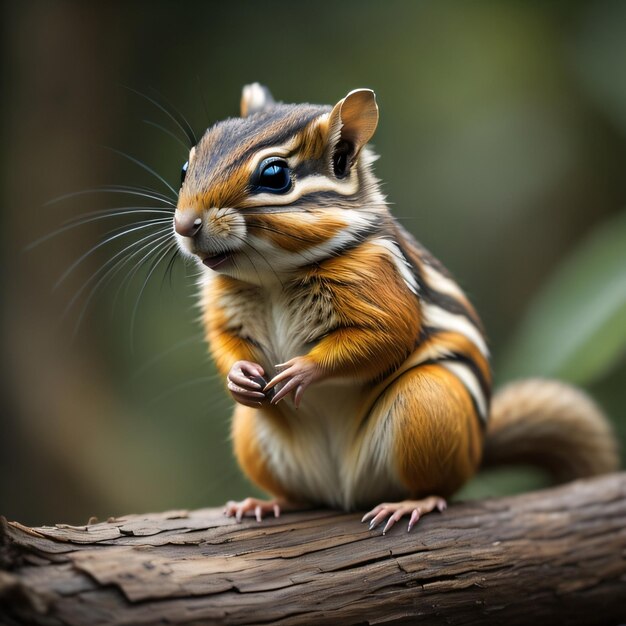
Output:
(183, 173)
(273, 176)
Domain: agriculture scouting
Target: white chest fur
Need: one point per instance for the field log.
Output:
(324, 458)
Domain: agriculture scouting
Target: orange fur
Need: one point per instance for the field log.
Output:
(226, 345)
(313, 141)
(229, 192)
(451, 342)
(373, 337)
(227, 348)
(438, 446)
(400, 419)
(249, 453)
(344, 296)
(292, 231)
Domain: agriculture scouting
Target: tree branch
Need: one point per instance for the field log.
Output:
(558, 553)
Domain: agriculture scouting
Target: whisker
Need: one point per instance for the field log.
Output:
(113, 267)
(170, 267)
(174, 136)
(115, 262)
(112, 272)
(188, 132)
(128, 279)
(92, 217)
(123, 210)
(143, 192)
(143, 166)
(247, 243)
(248, 256)
(126, 231)
(193, 275)
(153, 267)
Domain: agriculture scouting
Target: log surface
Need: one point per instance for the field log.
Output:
(557, 553)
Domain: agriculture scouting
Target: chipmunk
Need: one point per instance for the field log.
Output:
(359, 367)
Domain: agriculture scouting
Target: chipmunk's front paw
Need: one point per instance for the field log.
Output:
(296, 374)
(396, 510)
(245, 382)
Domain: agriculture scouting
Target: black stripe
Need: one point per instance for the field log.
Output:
(359, 237)
(408, 258)
(230, 143)
(427, 332)
(289, 120)
(444, 301)
(485, 386)
(325, 200)
(450, 304)
(481, 421)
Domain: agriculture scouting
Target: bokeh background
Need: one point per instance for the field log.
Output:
(503, 143)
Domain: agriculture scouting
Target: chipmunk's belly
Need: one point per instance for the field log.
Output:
(324, 459)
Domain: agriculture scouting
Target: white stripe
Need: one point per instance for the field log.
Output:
(437, 317)
(282, 260)
(469, 380)
(441, 283)
(310, 184)
(355, 222)
(400, 262)
(282, 150)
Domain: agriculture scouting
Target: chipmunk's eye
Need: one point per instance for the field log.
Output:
(183, 173)
(273, 176)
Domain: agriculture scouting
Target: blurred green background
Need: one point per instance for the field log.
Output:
(503, 143)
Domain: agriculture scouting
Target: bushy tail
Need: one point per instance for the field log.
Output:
(551, 425)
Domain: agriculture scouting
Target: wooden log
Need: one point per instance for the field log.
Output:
(557, 555)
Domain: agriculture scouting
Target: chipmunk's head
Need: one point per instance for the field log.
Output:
(282, 186)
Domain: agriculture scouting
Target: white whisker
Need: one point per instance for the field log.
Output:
(155, 264)
(138, 265)
(127, 231)
(168, 132)
(94, 216)
(144, 167)
(112, 266)
(143, 192)
(188, 131)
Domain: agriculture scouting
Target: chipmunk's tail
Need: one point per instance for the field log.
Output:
(552, 425)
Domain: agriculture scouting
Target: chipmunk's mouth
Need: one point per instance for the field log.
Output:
(214, 261)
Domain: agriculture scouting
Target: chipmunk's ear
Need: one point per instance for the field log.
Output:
(351, 125)
(255, 98)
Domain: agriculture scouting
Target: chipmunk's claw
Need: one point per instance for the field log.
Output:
(258, 508)
(395, 511)
(296, 374)
(245, 382)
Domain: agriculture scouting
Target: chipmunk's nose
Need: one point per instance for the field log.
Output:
(187, 224)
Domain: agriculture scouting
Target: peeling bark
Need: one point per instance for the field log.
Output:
(557, 554)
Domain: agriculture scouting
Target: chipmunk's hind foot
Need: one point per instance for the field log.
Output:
(252, 507)
(395, 511)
